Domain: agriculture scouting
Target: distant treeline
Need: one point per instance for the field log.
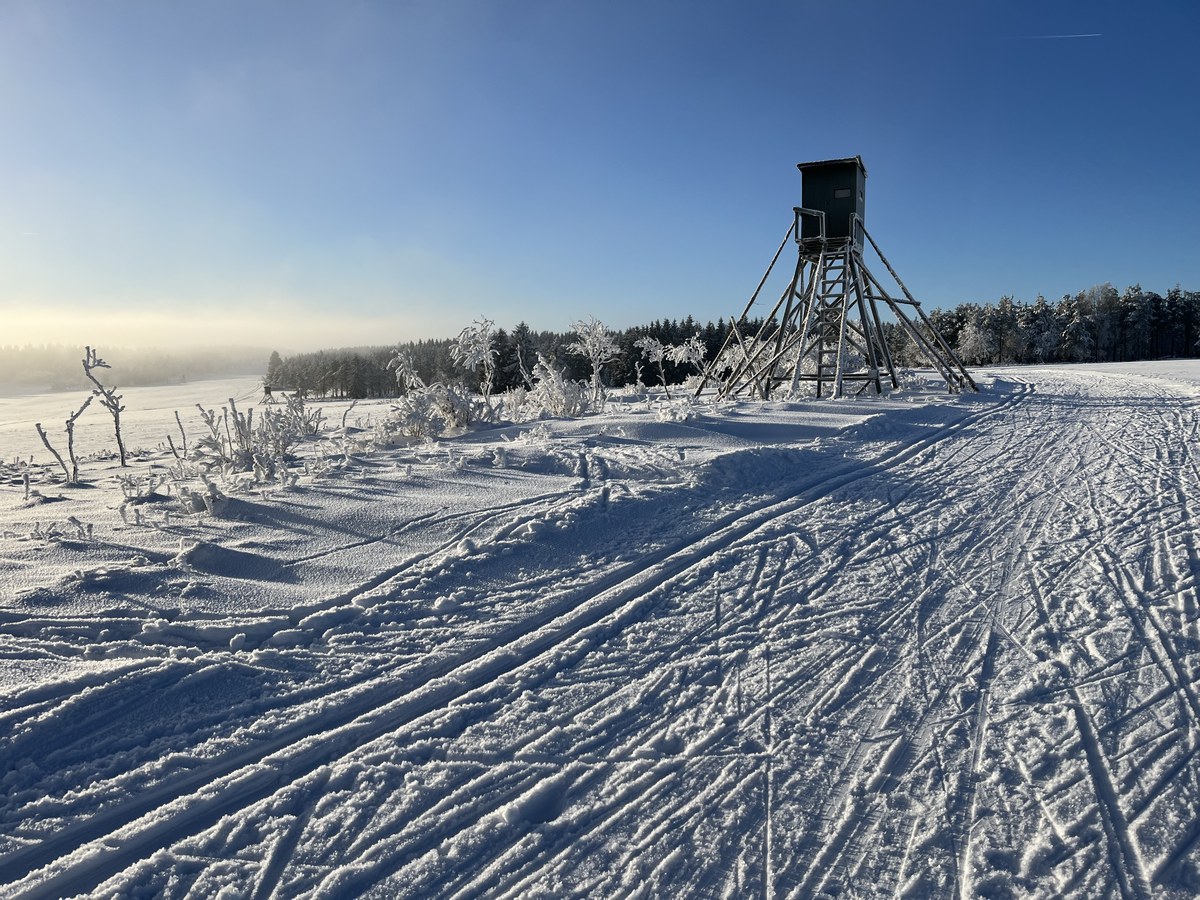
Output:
(1099, 324)
(363, 371)
(58, 367)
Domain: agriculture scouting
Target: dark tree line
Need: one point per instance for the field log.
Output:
(1095, 325)
(362, 372)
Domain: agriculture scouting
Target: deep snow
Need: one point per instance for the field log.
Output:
(929, 646)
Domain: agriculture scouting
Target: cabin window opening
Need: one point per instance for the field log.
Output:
(842, 193)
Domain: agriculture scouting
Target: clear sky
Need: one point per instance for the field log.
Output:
(301, 174)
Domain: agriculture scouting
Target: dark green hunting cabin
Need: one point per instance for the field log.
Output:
(838, 188)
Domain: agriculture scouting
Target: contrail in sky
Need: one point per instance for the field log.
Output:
(1054, 37)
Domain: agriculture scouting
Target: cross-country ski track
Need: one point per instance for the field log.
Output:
(944, 647)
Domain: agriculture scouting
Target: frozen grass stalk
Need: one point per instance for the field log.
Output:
(72, 473)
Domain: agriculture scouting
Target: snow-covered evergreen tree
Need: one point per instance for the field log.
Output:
(1078, 340)
(976, 341)
(1043, 331)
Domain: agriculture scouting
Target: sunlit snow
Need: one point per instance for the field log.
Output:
(926, 646)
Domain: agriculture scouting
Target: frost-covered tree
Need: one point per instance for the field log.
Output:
(1078, 341)
(473, 349)
(520, 357)
(1006, 333)
(274, 365)
(407, 378)
(655, 351)
(108, 396)
(1136, 321)
(976, 342)
(598, 345)
(1106, 312)
(691, 352)
(1043, 331)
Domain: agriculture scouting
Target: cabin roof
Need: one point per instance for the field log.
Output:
(833, 162)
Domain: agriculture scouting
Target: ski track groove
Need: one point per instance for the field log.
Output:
(216, 780)
(943, 629)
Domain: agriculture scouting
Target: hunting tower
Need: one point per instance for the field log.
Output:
(828, 326)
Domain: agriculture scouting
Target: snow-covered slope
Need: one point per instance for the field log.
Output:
(928, 647)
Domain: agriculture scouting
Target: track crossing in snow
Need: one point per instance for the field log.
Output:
(955, 659)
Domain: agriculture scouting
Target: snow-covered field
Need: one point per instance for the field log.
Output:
(930, 646)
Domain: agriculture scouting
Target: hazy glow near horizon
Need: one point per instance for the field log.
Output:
(308, 174)
(278, 327)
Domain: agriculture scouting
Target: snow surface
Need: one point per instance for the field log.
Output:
(928, 646)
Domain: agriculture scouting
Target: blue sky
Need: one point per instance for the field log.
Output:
(301, 174)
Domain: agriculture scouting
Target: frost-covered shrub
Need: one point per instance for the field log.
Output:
(281, 429)
(599, 345)
(425, 410)
(655, 351)
(233, 443)
(211, 499)
(415, 415)
(72, 529)
(425, 413)
(677, 410)
(109, 398)
(473, 349)
(911, 380)
(553, 394)
(690, 353)
(138, 489)
(72, 473)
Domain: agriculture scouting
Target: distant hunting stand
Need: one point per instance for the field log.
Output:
(827, 324)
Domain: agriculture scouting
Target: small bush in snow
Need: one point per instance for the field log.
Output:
(140, 490)
(599, 345)
(233, 443)
(553, 394)
(689, 353)
(425, 410)
(655, 351)
(415, 415)
(473, 349)
(677, 410)
(911, 380)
